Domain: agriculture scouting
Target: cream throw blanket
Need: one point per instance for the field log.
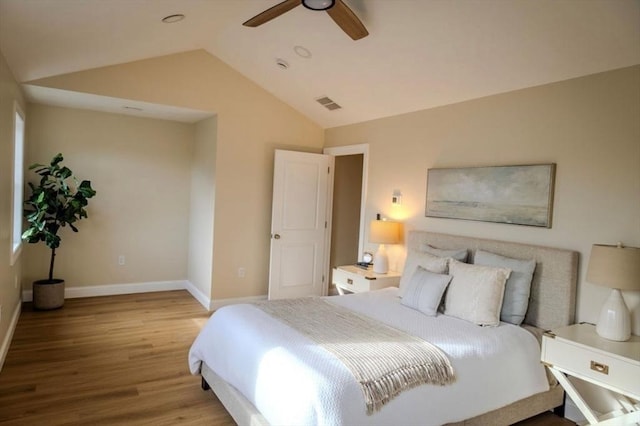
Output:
(385, 361)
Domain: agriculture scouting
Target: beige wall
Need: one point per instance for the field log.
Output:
(251, 123)
(9, 275)
(203, 190)
(141, 170)
(589, 126)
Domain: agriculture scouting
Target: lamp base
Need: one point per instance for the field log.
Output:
(615, 320)
(381, 261)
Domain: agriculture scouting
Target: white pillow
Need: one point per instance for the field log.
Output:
(475, 293)
(428, 261)
(425, 291)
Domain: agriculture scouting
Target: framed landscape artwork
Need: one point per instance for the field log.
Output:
(520, 195)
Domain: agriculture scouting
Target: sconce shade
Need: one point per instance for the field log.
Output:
(384, 232)
(615, 267)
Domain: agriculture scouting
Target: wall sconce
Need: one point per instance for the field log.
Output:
(396, 198)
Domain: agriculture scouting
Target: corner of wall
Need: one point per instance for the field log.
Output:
(198, 295)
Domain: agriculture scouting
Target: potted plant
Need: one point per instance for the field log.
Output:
(57, 201)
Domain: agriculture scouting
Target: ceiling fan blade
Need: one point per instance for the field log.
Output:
(347, 20)
(272, 12)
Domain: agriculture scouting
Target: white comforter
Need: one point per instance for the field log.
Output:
(291, 381)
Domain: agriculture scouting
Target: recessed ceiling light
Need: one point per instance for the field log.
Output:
(173, 18)
(302, 51)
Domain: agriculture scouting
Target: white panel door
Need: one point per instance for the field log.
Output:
(299, 226)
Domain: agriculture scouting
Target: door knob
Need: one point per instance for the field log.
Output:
(276, 236)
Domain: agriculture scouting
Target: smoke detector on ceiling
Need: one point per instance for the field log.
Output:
(282, 64)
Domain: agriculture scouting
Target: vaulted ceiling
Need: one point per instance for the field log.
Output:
(418, 54)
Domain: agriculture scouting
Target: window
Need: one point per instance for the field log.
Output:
(18, 181)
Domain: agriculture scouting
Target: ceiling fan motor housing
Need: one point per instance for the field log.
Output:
(318, 4)
(336, 9)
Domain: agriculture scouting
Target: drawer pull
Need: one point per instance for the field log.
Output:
(349, 281)
(600, 368)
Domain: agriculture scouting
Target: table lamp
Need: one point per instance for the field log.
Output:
(618, 268)
(383, 232)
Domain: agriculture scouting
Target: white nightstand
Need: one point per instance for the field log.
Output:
(578, 351)
(354, 279)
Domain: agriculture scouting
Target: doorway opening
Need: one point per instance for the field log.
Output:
(347, 213)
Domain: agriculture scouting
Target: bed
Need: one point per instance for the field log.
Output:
(272, 374)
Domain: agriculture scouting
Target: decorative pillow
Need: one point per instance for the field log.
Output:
(475, 293)
(518, 286)
(429, 262)
(458, 254)
(425, 291)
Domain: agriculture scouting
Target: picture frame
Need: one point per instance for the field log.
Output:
(518, 195)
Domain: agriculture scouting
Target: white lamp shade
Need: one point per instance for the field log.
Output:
(618, 268)
(614, 267)
(383, 232)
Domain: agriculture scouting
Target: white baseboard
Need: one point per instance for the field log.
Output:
(6, 342)
(114, 289)
(149, 287)
(217, 304)
(198, 295)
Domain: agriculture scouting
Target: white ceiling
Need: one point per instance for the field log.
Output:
(419, 54)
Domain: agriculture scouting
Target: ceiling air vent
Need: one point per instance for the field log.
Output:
(328, 103)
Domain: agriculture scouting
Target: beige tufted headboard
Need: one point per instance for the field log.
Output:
(553, 290)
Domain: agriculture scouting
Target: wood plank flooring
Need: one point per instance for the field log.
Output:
(108, 360)
(115, 360)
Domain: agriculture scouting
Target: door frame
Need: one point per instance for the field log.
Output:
(338, 151)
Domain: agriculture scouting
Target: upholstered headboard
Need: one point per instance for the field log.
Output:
(553, 290)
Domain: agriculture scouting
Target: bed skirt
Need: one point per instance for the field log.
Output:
(245, 414)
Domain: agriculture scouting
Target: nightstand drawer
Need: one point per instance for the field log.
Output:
(582, 362)
(357, 280)
(350, 281)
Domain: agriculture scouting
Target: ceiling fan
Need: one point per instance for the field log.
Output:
(337, 10)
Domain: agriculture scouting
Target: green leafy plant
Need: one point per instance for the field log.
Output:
(57, 201)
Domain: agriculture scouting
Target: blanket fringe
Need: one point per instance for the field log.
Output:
(383, 389)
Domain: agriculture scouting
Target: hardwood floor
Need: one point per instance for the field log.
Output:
(108, 360)
(114, 360)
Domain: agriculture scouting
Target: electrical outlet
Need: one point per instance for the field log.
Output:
(242, 272)
(121, 260)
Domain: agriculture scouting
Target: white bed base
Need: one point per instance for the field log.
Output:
(246, 414)
(240, 408)
(552, 304)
